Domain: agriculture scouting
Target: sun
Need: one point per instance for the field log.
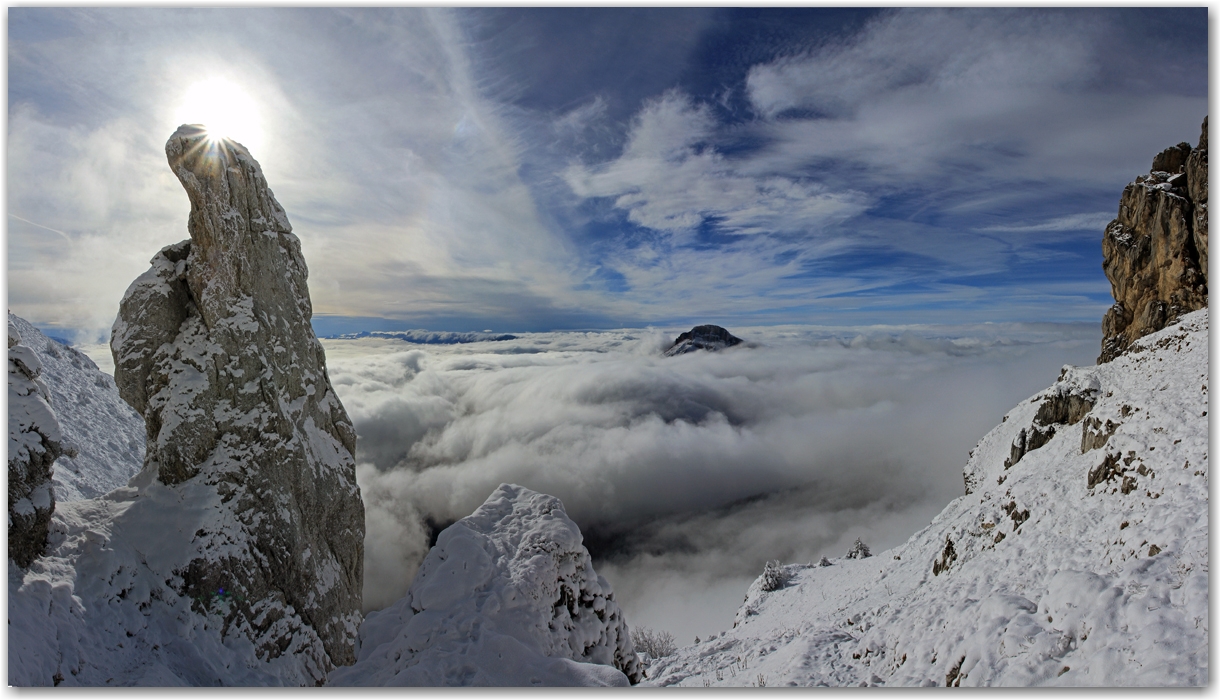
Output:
(225, 109)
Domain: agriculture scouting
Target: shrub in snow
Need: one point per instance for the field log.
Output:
(824, 562)
(654, 643)
(859, 550)
(773, 576)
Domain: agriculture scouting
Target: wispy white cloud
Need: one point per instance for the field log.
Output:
(1094, 221)
(671, 178)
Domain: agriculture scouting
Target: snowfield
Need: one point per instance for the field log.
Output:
(1078, 556)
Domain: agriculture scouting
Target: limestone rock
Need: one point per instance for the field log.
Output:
(508, 596)
(706, 337)
(213, 347)
(1155, 252)
(35, 441)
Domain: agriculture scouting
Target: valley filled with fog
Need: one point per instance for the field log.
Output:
(685, 474)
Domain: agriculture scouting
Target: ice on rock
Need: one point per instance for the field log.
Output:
(507, 597)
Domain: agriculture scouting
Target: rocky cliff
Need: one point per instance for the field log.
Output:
(507, 597)
(35, 441)
(1155, 252)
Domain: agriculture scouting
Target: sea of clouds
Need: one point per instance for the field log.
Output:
(685, 474)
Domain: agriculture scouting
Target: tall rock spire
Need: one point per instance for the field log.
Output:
(213, 347)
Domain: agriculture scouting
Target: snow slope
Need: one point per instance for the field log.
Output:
(1083, 561)
(107, 433)
(507, 597)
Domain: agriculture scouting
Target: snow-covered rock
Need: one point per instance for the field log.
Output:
(107, 433)
(706, 337)
(235, 556)
(35, 441)
(1083, 562)
(507, 597)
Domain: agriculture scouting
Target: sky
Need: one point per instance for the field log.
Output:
(546, 169)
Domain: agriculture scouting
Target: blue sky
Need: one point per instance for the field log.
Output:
(541, 169)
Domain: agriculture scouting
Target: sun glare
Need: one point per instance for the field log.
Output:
(224, 108)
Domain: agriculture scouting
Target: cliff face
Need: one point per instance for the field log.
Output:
(35, 441)
(1155, 252)
(213, 347)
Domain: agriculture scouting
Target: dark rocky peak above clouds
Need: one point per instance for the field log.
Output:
(705, 337)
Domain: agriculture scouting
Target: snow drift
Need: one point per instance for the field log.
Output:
(1084, 561)
(508, 596)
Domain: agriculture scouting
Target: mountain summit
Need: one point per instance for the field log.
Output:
(706, 337)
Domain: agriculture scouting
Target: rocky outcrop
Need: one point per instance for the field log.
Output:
(107, 433)
(507, 597)
(707, 337)
(213, 347)
(35, 441)
(1155, 252)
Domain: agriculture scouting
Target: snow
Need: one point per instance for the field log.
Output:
(107, 433)
(1039, 578)
(508, 596)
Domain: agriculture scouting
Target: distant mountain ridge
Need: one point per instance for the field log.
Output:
(426, 337)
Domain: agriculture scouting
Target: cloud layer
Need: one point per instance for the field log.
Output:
(697, 468)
